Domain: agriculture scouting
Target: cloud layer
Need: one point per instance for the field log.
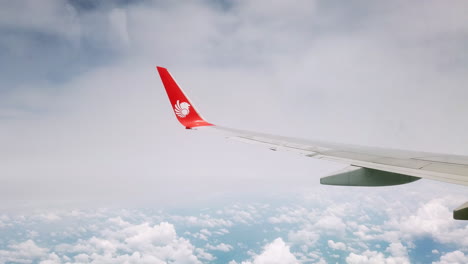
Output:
(290, 231)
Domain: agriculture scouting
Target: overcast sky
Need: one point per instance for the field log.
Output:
(84, 116)
(85, 123)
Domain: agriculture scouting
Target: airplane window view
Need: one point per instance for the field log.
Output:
(238, 132)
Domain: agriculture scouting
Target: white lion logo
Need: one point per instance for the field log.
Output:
(181, 109)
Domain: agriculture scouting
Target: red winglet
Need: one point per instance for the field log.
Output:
(183, 108)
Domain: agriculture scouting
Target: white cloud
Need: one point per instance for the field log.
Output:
(222, 231)
(367, 257)
(49, 217)
(81, 258)
(204, 221)
(25, 252)
(397, 250)
(220, 247)
(239, 216)
(130, 243)
(398, 255)
(116, 239)
(304, 237)
(52, 16)
(200, 236)
(51, 259)
(143, 235)
(277, 252)
(331, 224)
(290, 216)
(202, 254)
(336, 245)
(373, 257)
(321, 261)
(455, 257)
(118, 221)
(118, 21)
(433, 219)
(205, 232)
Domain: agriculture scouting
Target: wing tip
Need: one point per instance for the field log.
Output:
(161, 70)
(183, 108)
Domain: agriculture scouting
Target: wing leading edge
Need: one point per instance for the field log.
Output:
(369, 166)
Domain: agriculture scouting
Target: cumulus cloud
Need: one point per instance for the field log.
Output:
(220, 247)
(289, 216)
(455, 257)
(24, 252)
(274, 252)
(141, 235)
(331, 224)
(304, 237)
(204, 221)
(136, 235)
(203, 255)
(336, 245)
(370, 257)
(49, 217)
(158, 242)
(55, 259)
(135, 243)
(433, 219)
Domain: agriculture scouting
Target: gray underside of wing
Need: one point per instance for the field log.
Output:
(440, 167)
(359, 176)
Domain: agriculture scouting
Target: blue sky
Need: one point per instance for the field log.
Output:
(85, 124)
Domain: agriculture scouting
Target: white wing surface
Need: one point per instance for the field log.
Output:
(441, 167)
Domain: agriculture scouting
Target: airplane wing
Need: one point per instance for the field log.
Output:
(368, 166)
